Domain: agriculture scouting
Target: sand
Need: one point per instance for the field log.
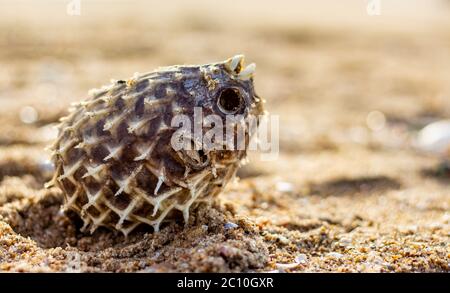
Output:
(348, 191)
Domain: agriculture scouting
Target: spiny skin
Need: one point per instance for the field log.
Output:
(113, 156)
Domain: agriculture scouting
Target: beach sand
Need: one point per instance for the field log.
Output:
(348, 192)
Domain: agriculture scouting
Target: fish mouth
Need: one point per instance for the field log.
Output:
(235, 65)
(197, 159)
(194, 155)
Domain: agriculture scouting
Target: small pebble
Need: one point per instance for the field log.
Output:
(301, 258)
(283, 240)
(264, 205)
(230, 225)
(335, 255)
(285, 266)
(284, 186)
(345, 242)
(434, 138)
(28, 115)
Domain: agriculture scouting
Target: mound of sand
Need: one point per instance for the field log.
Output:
(347, 192)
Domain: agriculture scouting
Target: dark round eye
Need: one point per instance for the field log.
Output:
(230, 101)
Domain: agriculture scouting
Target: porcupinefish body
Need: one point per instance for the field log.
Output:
(114, 157)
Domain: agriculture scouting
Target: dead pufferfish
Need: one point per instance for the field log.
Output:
(113, 157)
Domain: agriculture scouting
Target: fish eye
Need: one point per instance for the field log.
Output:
(230, 101)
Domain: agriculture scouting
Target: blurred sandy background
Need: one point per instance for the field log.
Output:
(351, 90)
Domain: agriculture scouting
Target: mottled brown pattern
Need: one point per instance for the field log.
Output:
(114, 159)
